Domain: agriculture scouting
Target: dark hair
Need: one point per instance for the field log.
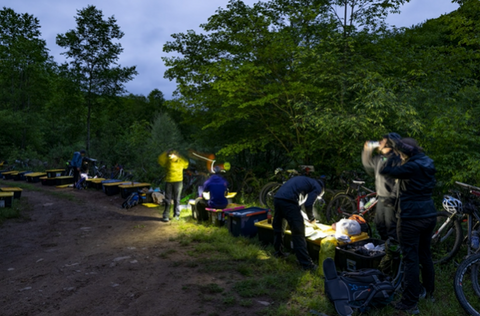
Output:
(82, 151)
(411, 146)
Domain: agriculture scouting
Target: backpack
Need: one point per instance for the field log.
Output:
(358, 290)
(132, 200)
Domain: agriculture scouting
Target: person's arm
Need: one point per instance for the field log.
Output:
(312, 197)
(368, 161)
(162, 159)
(404, 171)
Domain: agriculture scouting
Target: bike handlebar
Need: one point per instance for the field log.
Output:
(467, 186)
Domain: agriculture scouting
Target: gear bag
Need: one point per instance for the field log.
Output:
(132, 200)
(358, 290)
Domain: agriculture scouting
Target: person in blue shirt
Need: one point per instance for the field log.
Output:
(76, 164)
(217, 187)
(288, 202)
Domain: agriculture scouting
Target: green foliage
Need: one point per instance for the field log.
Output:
(94, 57)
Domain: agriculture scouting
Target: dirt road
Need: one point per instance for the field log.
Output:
(79, 253)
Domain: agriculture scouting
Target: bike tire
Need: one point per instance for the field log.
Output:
(341, 206)
(269, 192)
(466, 271)
(262, 196)
(447, 243)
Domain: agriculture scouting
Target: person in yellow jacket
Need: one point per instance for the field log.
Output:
(174, 163)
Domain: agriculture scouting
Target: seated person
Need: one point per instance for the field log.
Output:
(216, 186)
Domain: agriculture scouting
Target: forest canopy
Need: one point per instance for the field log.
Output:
(276, 83)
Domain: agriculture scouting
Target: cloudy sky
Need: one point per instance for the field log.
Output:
(148, 24)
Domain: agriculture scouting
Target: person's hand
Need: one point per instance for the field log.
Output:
(365, 146)
(312, 221)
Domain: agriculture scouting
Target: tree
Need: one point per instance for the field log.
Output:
(286, 73)
(24, 76)
(94, 56)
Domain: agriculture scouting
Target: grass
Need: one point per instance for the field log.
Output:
(260, 276)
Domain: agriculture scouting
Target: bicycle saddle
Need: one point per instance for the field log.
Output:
(358, 181)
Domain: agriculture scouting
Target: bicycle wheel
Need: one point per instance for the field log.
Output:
(341, 206)
(266, 188)
(447, 237)
(269, 194)
(463, 285)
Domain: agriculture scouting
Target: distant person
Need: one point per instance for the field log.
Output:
(417, 217)
(288, 204)
(385, 220)
(175, 164)
(76, 165)
(217, 187)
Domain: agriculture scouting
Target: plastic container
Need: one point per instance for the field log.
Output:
(63, 180)
(217, 216)
(17, 192)
(20, 176)
(34, 177)
(53, 173)
(242, 222)
(92, 181)
(6, 199)
(8, 175)
(347, 259)
(127, 189)
(110, 187)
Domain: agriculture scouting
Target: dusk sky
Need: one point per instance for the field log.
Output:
(148, 24)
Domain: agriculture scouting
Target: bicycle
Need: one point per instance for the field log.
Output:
(448, 237)
(346, 204)
(267, 193)
(466, 285)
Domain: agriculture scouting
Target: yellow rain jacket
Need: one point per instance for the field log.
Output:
(174, 167)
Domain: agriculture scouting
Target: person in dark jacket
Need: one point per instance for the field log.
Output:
(385, 220)
(288, 201)
(76, 165)
(416, 215)
(217, 188)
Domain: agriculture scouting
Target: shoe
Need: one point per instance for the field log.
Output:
(177, 218)
(424, 295)
(165, 219)
(409, 309)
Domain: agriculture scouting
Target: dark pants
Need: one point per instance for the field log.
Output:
(200, 212)
(385, 220)
(415, 236)
(290, 211)
(173, 191)
(76, 176)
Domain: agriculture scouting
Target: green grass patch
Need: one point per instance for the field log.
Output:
(254, 274)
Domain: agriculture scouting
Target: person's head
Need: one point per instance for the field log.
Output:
(82, 153)
(172, 154)
(408, 147)
(386, 145)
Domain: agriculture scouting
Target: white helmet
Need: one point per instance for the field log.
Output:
(452, 205)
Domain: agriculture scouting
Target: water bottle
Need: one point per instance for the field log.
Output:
(269, 216)
(362, 205)
(373, 144)
(475, 240)
(370, 202)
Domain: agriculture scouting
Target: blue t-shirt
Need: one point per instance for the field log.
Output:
(217, 186)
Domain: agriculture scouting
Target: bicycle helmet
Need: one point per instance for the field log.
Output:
(452, 205)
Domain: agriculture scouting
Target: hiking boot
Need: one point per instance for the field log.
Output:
(165, 219)
(409, 309)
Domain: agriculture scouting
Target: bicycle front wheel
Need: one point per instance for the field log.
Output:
(465, 277)
(341, 206)
(447, 237)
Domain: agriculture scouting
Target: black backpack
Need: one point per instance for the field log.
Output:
(357, 290)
